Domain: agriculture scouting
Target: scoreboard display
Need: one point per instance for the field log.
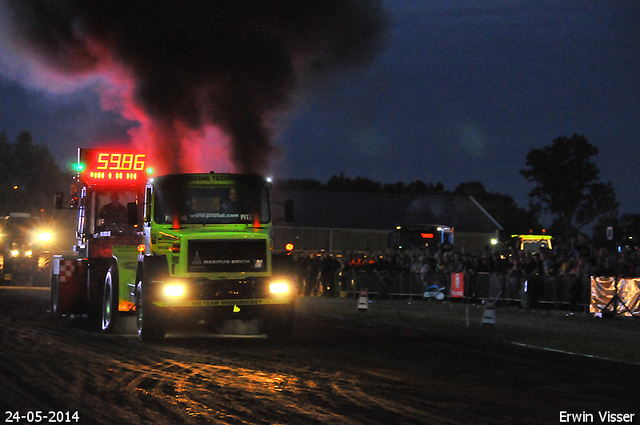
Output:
(112, 167)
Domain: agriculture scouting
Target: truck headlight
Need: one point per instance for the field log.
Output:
(43, 237)
(14, 253)
(174, 290)
(279, 288)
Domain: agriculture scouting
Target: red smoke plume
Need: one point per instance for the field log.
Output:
(202, 78)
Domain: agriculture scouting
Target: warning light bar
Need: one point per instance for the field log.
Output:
(100, 166)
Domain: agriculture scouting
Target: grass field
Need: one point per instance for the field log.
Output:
(616, 338)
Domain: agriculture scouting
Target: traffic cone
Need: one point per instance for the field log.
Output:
(489, 316)
(363, 300)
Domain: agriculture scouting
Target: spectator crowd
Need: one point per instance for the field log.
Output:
(324, 273)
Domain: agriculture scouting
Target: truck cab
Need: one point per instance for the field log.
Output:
(207, 256)
(94, 280)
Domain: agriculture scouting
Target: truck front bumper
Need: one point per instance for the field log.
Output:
(203, 299)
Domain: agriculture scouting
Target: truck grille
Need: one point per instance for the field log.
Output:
(227, 256)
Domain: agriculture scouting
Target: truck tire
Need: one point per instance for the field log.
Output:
(147, 321)
(110, 301)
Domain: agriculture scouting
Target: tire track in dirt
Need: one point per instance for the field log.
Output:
(163, 384)
(200, 381)
(334, 372)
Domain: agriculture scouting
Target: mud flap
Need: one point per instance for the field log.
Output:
(69, 291)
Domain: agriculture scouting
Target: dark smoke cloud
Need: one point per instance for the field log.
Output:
(229, 63)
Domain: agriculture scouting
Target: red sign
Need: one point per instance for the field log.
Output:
(101, 166)
(457, 285)
(426, 235)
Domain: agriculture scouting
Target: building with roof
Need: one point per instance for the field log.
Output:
(361, 221)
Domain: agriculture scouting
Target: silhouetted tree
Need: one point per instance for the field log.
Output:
(29, 176)
(299, 184)
(599, 232)
(567, 184)
(417, 187)
(342, 183)
(5, 161)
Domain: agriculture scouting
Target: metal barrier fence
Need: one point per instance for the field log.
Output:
(529, 291)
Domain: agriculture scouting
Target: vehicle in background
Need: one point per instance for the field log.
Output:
(531, 243)
(24, 244)
(433, 236)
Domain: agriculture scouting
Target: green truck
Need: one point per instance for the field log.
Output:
(187, 251)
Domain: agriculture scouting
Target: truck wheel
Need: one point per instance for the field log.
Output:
(110, 301)
(147, 321)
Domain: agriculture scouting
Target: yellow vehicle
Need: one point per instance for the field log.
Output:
(532, 243)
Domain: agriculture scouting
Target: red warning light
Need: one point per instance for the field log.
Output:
(289, 246)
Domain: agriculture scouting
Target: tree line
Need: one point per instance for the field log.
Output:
(29, 176)
(566, 187)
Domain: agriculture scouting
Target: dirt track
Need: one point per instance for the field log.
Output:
(335, 371)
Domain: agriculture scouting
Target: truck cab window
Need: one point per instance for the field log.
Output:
(112, 210)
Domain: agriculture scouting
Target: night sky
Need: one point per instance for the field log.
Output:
(456, 91)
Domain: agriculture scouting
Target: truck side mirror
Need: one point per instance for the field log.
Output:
(289, 211)
(75, 200)
(132, 213)
(58, 200)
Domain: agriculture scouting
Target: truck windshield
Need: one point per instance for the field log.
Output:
(212, 205)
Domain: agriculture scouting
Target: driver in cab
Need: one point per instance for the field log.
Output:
(114, 214)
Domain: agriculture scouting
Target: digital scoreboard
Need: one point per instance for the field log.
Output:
(112, 167)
